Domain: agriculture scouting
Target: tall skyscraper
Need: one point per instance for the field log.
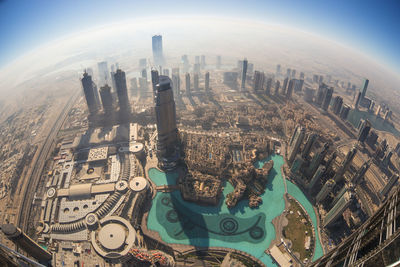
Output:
(90, 91)
(317, 159)
(317, 177)
(277, 87)
(196, 82)
(344, 113)
(142, 63)
(258, 81)
(293, 74)
(104, 74)
(336, 211)
(390, 184)
(363, 130)
(345, 164)
(176, 85)
(106, 99)
(187, 81)
(301, 75)
(357, 100)
(327, 98)
(295, 142)
(203, 62)
(207, 81)
(158, 55)
(278, 70)
(284, 86)
(325, 190)
(185, 63)
(337, 105)
(288, 73)
(122, 91)
(290, 88)
(268, 86)
(167, 145)
(361, 172)
(364, 89)
(244, 74)
(309, 144)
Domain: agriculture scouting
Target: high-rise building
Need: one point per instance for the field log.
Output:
(284, 86)
(320, 94)
(176, 85)
(337, 105)
(348, 187)
(327, 98)
(344, 113)
(154, 80)
(357, 100)
(386, 158)
(196, 82)
(166, 72)
(361, 172)
(325, 190)
(258, 81)
(203, 62)
(196, 68)
(277, 87)
(244, 74)
(301, 75)
(290, 88)
(309, 95)
(363, 130)
(337, 210)
(185, 63)
(317, 177)
(158, 55)
(142, 63)
(144, 73)
(288, 73)
(390, 184)
(21, 240)
(364, 88)
(187, 82)
(104, 74)
(219, 62)
(293, 73)
(167, 145)
(106, 99)
(197, 60)
(308, 146)
(317, 159)
(134, 87)
(295, 142)
(268, 86)
(345, 164)
(278, 70)
(207, 81)
(90, 92)
(122, 91)
(298, 85)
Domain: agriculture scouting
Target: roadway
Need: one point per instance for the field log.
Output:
(44, 151)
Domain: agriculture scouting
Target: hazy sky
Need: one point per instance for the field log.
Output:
(371, 27)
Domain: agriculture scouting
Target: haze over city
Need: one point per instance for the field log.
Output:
(188, 133)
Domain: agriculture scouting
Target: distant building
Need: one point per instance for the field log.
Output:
(207, 81)
(277, 87)
(319, 99)
(293, 74)
(219, 62)
(157, 50)
(142, 63)
(295, 142)
(176, 84)
(284, 86)
(357, 100)
(187, 82)
(122, 91)
(288, 73)
(104, 74)
(90, 91)
(327, 98)
(258, 81)
(244, 74)
(311, 139)
(344, 113)
(345, 164)
(317, 159)
(268, 86)
(337, 105)
(364, 88)
(309, 94)
(203, 62)
(363, 130)
(196, 82)
(290, 88)
(106, 99)
(278, 70)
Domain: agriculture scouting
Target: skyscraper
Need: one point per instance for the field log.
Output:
(167, 145)
(295, 142)
(207, 81)
(176, 84)
(327, 98)
(277, 87)
(219, 62)
(90, 93)
(325, 190)
(203, 62)
(284, 86)
(122, 91)
(357, 100)
(278, 70)
(364, 89)
(344, 113)
(316, 177)
(157, 50)
(337, 105)
(196, 82)
(308, 146)
(187, 81)
(390, 184)
(244, 74)
(320, 94)
(106, 98)
(361, 172)
(258, 81)
(317, 159)
(104, 74)
(337, 210)
(363, 130)
(290, 88)
(268, 86)
(345, 164)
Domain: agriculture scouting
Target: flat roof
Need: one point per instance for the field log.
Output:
(98, 153)
(282, 259)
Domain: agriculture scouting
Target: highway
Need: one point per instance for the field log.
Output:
(44, 151)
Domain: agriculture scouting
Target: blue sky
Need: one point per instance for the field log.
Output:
(371, 27)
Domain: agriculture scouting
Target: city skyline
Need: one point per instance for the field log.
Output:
(28, 25)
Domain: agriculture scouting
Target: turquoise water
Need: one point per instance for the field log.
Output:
(295, 192)
(242, 228)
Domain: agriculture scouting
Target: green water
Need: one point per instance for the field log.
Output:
(378, 123)
(242, 228)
